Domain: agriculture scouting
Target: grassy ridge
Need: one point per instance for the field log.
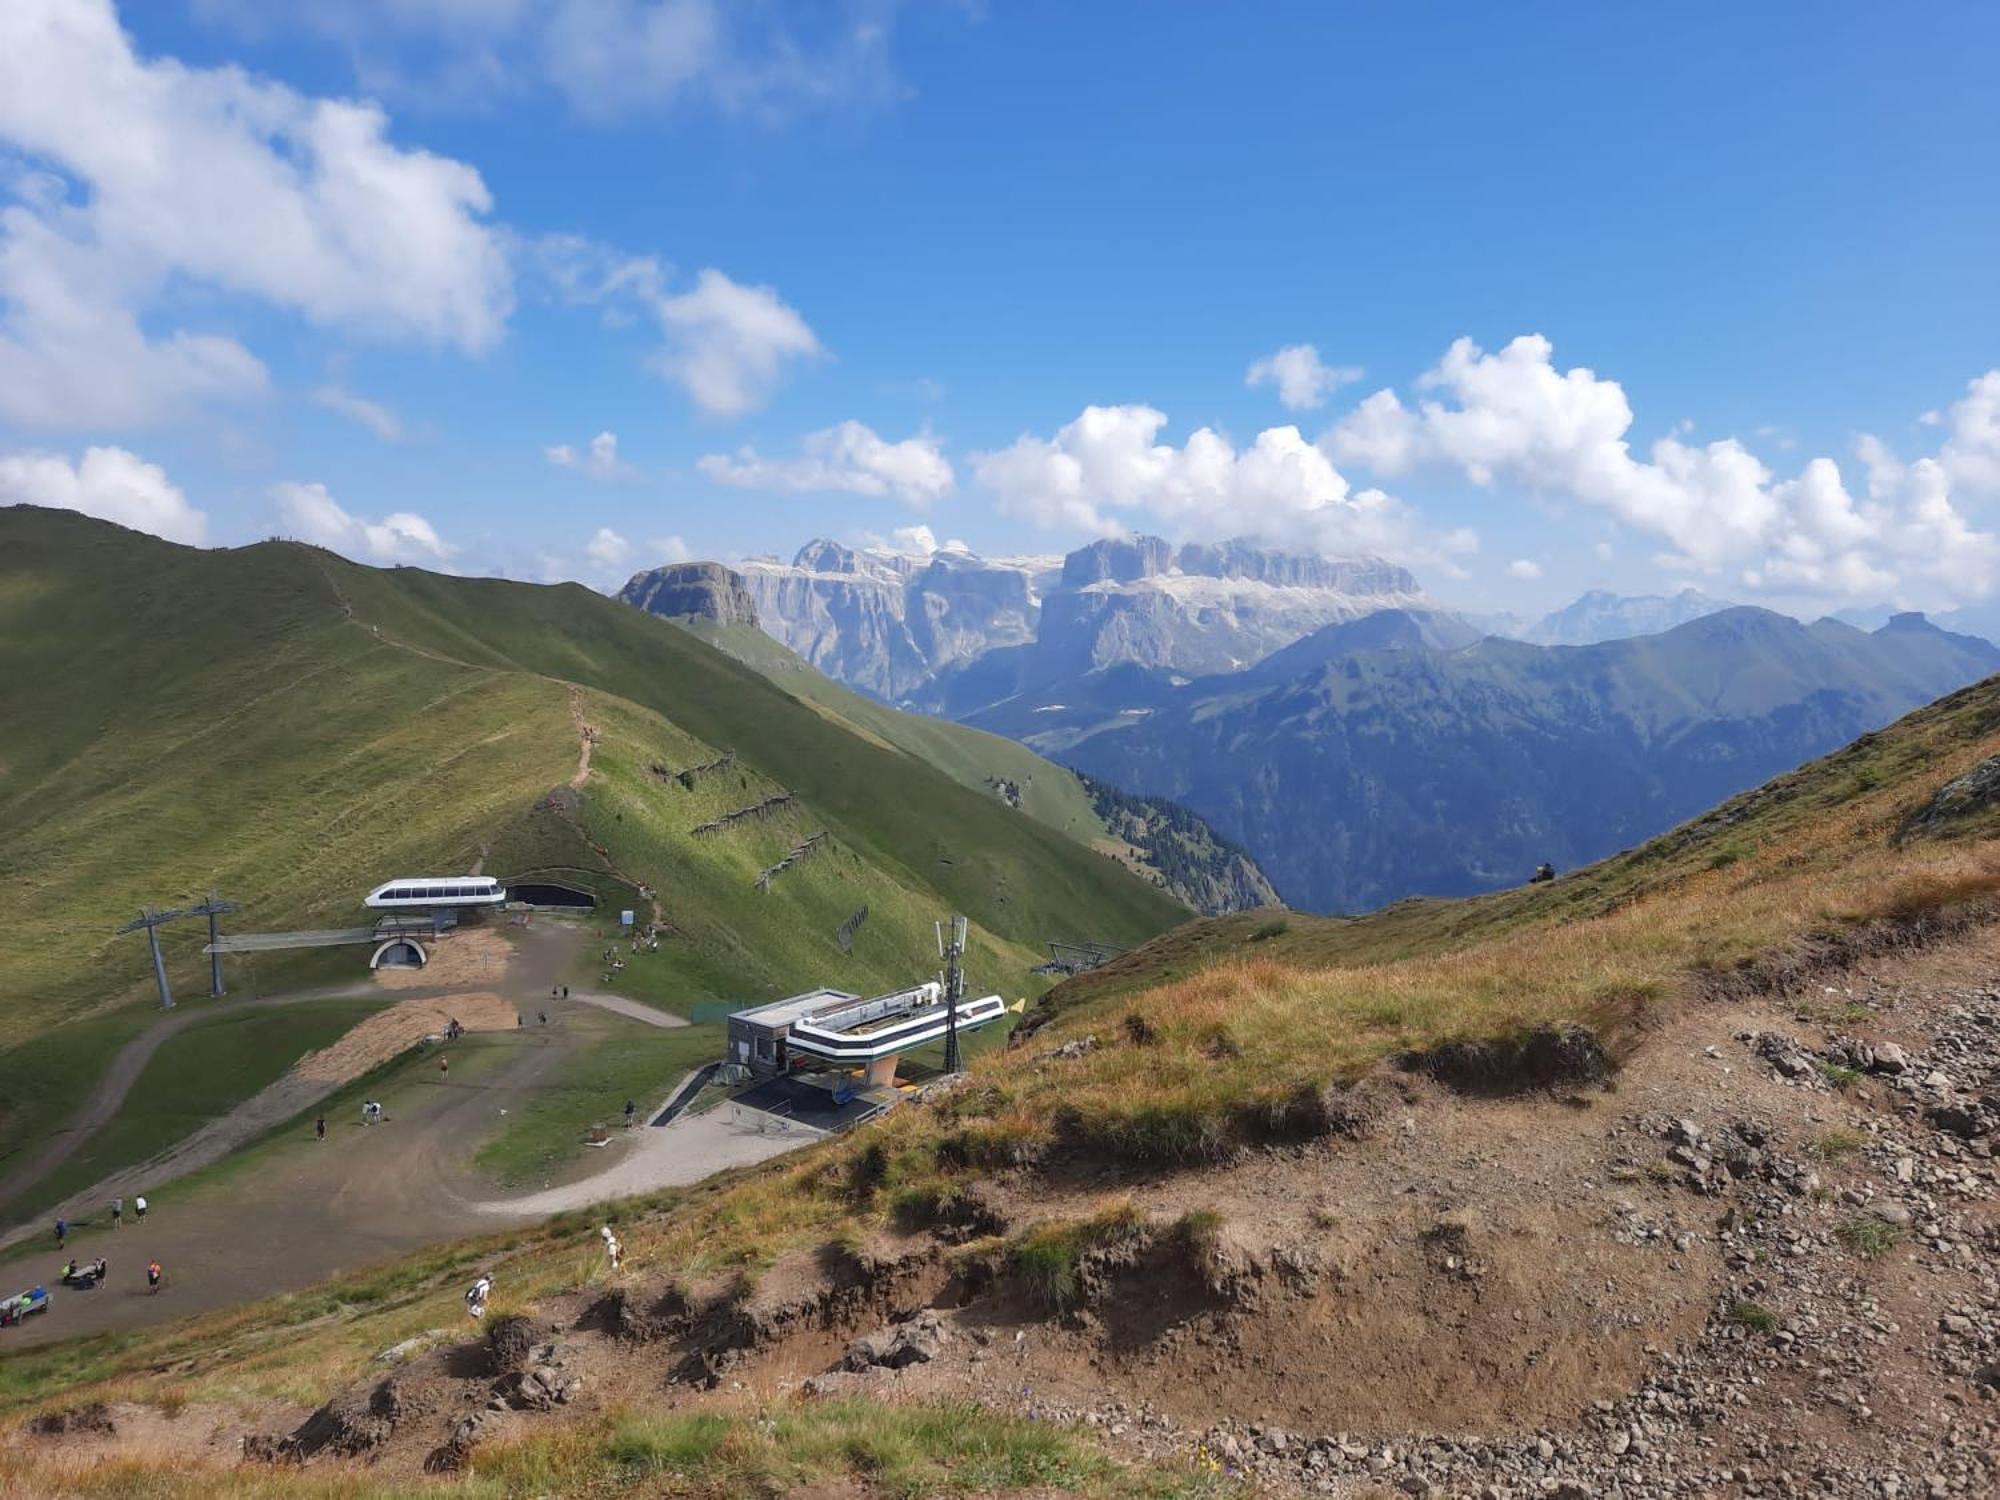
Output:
(1011, 875)
(287, 728)
(1053, 794)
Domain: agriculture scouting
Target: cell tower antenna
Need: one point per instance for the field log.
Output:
(152, 921)
(953, 954)
(212, 908)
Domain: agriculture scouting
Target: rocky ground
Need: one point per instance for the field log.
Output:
(1764, 1262)
(1852, 1343)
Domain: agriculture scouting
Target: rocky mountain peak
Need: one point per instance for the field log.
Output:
(1117, 560)
(704, 589)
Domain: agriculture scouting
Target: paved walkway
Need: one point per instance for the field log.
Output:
(687, 1150)
(632, 1009)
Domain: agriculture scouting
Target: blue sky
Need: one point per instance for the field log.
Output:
(1002, 271)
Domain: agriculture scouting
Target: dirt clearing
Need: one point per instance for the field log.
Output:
(476, 955)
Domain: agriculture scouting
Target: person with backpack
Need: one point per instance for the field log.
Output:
(62, 1231)
(153, 1275)
(475, 1297)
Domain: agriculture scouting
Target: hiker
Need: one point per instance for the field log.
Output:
(139, 1209)
(153, 1275)
(117, 1212)
(565, 990)
(319, 1128)
(444, 1069)
(475, 1299)
(62, 1232)
(613, 1251)
(1543, 872)
(100, 1269)
(542, 1016)
(367, 1112)
(631, 1109)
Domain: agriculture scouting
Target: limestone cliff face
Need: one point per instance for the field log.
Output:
(706, 589)
(951, 632)
(887, 623)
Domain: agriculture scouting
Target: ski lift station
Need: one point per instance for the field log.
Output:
(831, 1027)
(436, 892)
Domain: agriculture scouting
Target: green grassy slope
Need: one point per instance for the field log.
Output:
(290, 728)
(1788, 822)
(972, 757)
(1010, 874)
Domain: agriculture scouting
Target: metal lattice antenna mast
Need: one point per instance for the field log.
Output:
(152, 922)
(953, 954)
(212, 908)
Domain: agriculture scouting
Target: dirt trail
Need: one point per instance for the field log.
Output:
(586, 738)
(307, 1211)
(315, 1076)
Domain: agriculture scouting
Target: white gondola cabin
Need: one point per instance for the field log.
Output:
(430, 892)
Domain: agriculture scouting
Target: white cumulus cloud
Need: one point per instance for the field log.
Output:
(1106, 472)
(849, 458)
(144, 172)
(1524, 567)
(1513, 418)
(725, 343)
(728, 343)
(599, 458)
(1302, 379)
(1971, 454)
(608, 549)
(108, 483)
(309, 513)
(669, 549)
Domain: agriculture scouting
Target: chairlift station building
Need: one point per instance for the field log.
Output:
(827, 1027)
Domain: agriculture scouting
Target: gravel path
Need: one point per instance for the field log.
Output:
(687, 1150)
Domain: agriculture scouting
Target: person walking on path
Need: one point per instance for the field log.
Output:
(62, 1231)
(631, 1109)
(139, 1209)
(153, 1275)
(319, 1128)
(117, 1212)
(444, 1069)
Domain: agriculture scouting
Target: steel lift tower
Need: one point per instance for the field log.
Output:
(212, 908)
(152, 921)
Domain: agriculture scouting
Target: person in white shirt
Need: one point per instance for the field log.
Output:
(139, 1208)
(475, 1299)
(613, 1251)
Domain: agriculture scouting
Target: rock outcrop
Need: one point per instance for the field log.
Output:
(704, 589)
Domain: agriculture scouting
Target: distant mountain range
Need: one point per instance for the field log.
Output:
(1599, 616)
(1359, 742)
(1391, 757)
(954, 632)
